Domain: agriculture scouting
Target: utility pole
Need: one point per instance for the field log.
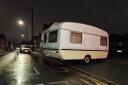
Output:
(32, 26)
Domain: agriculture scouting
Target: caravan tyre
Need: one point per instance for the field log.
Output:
(87, 59)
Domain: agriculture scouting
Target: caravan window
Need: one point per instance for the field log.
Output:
(45, 37)
(53, 36)
(76, 38)
(103, 41)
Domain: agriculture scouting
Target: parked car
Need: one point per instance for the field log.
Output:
(25, 49)
(8, 49)
(118, 48)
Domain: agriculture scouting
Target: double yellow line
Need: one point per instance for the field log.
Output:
(97, 80)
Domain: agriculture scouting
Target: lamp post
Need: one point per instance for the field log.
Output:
(21, 23)
(22, 40)
(32, 25)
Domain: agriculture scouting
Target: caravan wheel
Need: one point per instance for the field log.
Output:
(87, 59)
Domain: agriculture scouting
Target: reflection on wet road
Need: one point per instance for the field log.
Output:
(15, 68)
(24, 69)
(35, 69)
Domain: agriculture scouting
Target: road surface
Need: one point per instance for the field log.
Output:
(24, 69)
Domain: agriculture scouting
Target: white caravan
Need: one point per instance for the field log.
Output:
(75, 41)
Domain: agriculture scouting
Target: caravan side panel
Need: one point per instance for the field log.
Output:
(89, 42)
(80, 55)
(90, 46)
(65, 41)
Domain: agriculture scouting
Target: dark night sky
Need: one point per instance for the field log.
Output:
(111, 15)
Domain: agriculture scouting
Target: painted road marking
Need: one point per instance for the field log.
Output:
(36, 71)
(86, 82)
(49, 68)
(98, 80)
(63, 70)
(60, 82)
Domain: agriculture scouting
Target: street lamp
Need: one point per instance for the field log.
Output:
(22, 35)
(21, 22)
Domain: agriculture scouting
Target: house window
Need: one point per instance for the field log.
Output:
(45, 37)
(76, 38)
(103, 41)
(53, 36)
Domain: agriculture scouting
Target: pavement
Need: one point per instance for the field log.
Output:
(3, 53)
(1, 50)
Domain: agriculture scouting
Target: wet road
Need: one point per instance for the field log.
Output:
(114, 69)
(25, 69)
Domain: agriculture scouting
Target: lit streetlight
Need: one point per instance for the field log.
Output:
(22, 35)
(21, 22)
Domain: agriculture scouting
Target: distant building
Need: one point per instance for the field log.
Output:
(3, 41)
(36, 41)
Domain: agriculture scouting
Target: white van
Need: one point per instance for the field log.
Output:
(75, 41)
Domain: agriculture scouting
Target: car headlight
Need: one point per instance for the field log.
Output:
(119, 51)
